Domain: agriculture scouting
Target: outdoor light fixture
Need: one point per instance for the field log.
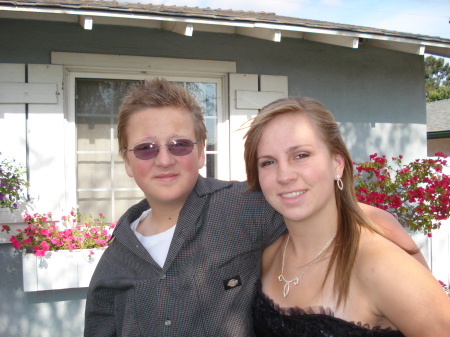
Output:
(277, 36)
(185, 29)
(86, 22)
(189, 29)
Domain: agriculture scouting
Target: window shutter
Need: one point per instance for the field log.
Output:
(248, 94)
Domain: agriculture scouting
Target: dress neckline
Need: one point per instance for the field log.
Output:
(316, 311)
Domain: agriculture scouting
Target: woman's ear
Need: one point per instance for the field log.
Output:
(339, 164)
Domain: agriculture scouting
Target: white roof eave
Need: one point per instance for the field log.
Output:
(345, 38)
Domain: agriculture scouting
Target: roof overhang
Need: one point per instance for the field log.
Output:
(438, 134)
(352, 37)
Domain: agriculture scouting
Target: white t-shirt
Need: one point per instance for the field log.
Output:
(157, 245)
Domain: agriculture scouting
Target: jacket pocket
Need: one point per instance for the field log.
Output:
(226, 294)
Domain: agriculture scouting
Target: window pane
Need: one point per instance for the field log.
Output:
(95, 202)
(206, 95)
(94, 170)
(94, 133)
(100, 97)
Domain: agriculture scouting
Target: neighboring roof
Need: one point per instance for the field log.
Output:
(438, 116)
(255, 24)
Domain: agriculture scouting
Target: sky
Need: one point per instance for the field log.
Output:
(426, 17)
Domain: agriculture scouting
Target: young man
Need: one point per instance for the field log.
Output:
(186, 266)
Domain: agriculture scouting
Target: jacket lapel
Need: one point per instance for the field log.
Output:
(193, 214)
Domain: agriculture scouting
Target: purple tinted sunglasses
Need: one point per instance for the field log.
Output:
(177, 147)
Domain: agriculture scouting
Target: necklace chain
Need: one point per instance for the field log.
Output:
(295, 280)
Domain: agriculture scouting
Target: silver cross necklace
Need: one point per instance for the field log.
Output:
(295, 280)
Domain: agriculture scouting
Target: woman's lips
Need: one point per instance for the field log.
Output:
(292, 194)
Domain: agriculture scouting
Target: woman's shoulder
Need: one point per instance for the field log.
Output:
(270, 252)
(375, 250)
(378, 260)
(396, 285)
(381, 267)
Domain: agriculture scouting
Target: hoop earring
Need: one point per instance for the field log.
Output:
(339, 182)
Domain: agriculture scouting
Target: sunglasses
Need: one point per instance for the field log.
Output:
(177, 147)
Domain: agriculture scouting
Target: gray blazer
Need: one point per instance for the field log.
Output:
(208, 281)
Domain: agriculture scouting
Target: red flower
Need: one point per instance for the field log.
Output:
(418, 193)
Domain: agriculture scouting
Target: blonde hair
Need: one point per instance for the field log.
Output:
(158, 93)
(350, 216)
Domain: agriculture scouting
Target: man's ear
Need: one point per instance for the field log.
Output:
(128, 167)
(201, 156)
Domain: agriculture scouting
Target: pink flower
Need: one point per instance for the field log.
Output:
(46, 232)
(41, 252)
(15, 242)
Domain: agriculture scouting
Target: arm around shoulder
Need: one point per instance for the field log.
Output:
(393, 230)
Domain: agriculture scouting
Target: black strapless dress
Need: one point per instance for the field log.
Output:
(270, 320)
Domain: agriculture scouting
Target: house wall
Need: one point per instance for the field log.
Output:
(438, 145)
(376, 94)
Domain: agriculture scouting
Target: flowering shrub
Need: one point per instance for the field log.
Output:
(42, 234)
(418, 193)
(445, 287)
(12, 183)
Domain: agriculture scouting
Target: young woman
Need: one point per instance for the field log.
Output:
(334, 273)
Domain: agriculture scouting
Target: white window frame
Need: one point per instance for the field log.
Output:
(78, 65)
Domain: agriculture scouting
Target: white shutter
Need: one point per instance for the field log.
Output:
(12, 116)
(248, 94)
(46, 124)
